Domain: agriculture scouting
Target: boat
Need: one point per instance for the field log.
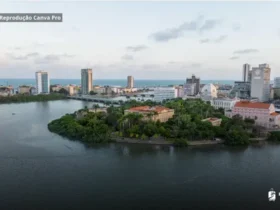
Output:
(13, 113)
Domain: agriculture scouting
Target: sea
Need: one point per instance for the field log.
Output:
(111, 82)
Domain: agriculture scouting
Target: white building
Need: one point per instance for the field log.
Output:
(86, 83)
(260, 83)
(42, 82)
(161, 93)
(179, 92)
(209, 91)
(276, 82)
(225, 103)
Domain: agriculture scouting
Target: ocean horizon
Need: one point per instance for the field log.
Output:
(139, 83)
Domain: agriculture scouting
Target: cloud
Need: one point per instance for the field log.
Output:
(246, 51)
(16, 57)
(209, 25)
(127, 57)
(136, 48)
(176, 32)
(32, 54)
(21, 57)
(196, 65)
(36, 44)
(234, 58)
(202, 41)
(67, 55)
(236, 27)
(51, 58)
(220, 39)
(217, 40)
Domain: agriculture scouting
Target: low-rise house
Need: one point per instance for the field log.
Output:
(153, 113)
(98, 110)
(214, 121)
(24, 89)
(263, 113)
(56, 88)
(6, 90)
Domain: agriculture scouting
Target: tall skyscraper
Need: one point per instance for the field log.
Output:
(42, 82)
(246, 70)
(196, 81)
(260, 83)
(86, 83)
(130, 82)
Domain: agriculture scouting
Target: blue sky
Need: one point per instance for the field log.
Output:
(149, 40)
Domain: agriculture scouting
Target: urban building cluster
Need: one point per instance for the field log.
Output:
(251, 97)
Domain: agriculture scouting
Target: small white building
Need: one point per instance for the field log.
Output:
(162, 93)
(225, 103)
(179, 92)
(209, 91)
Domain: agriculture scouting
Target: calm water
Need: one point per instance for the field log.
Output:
(40, 170)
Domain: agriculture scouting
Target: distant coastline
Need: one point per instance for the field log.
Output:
(111, 82)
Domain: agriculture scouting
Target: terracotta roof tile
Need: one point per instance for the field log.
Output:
(274, 114)
(255, 105)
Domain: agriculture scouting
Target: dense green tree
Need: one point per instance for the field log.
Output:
(92, 92)
(237, 137)
(31, 98)
(274, 136)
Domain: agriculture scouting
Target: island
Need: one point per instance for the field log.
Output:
(178, 122)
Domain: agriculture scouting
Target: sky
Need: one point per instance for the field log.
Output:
(148, 40)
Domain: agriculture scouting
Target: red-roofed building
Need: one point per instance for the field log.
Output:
(264, 114)
(154, 113)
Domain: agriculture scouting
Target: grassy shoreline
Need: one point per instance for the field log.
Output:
(31, 98)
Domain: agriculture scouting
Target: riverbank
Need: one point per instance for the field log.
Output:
(31, 98)
(165, 142)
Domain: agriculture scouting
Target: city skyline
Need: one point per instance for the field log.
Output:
(149, 40)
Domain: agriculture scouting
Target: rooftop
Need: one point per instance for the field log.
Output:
(274, 114)
(211, 119)
(254, 105)
(157, 109)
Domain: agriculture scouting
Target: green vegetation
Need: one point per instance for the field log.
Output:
(185, 125)
(90, 129)
(274, 136)
(21, 98)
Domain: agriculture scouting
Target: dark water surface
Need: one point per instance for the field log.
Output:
(40, 170)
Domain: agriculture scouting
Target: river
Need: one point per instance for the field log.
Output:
(41, 170)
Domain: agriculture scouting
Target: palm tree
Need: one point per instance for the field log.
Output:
(152, 96)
